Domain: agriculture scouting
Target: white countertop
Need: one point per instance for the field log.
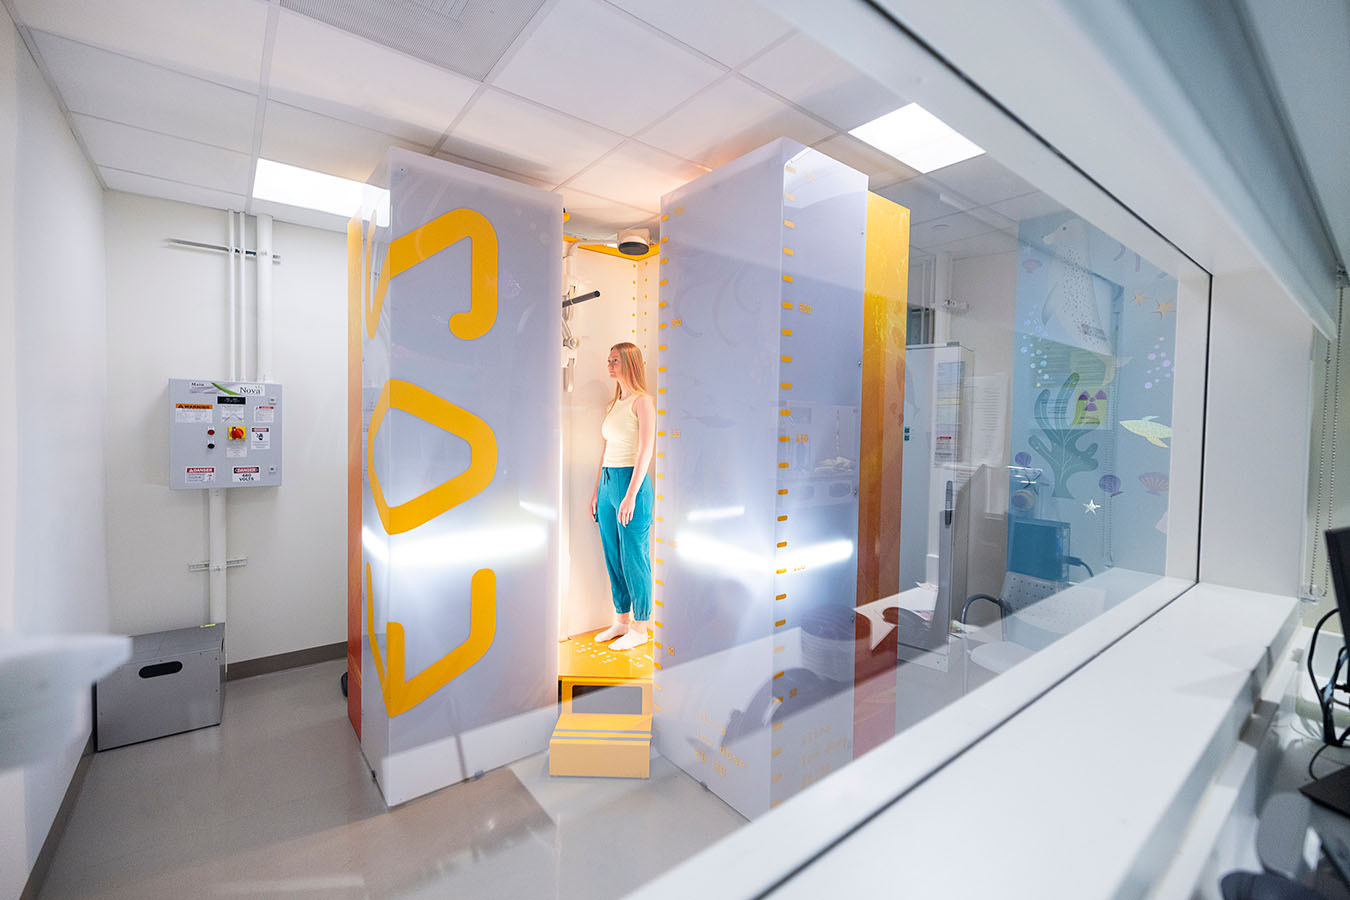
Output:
(1087, 792)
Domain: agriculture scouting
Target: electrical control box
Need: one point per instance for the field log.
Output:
(224, 434)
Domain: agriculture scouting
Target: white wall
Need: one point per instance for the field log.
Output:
(988, 287)
(1256, 436)
(13, 825)
(1328, 495)
(988, 284)
(626, 306)
(168, 318)
(11, 48)
(53, 382)
(293, 592)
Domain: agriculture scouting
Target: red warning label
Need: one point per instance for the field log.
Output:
(200, 474)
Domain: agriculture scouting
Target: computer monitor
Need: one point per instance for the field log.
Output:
(1338, 558)
(1039, 548)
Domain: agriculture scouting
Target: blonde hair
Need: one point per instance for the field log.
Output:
(631, 369)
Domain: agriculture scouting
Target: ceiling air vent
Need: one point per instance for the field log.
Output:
(464, 36)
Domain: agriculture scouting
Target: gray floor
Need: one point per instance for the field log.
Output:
(277, 802)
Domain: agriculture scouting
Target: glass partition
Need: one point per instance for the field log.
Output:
(805, 612)
(916, 422)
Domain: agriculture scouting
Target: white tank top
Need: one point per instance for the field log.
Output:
(620, 430)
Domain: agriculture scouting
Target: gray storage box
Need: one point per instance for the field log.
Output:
(174, 681)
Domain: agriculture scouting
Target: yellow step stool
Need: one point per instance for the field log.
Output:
(602, 744)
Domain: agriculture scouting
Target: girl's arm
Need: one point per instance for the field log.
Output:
(646, 416)
(595, 493)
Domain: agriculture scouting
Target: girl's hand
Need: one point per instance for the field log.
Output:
(595, 496)
(626, 509)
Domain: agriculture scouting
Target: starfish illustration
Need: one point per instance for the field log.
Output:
(1164, 308)
(1091, 507)
(1139, 299)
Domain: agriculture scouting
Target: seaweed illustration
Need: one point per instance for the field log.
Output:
(1060, 445)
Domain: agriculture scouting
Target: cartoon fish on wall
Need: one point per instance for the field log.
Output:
(1149, 430)
(1071, 297)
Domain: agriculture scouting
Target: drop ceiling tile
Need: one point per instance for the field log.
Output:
(955, 227)
(815, 79)
(493, 170)
(150, 186)
(924, 199)
(299, 137)
(117, 146)
(597, 217)
(981, 180)
(519, 136)
(636, 175)
(219, 40)
(464, 36)
(319, 68)
(990, 243)
(588, 59)
(884, 180)
(120, 89)
(730, 31)
(727, 120)
(880, 168)
(1028, 206)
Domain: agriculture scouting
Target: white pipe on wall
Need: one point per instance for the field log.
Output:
(216, 533)
(264, 307)
(240, 361)
(234, 312)
(215, 505)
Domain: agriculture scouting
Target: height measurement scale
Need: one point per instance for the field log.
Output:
(224, 434)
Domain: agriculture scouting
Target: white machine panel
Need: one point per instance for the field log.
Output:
(224, 434)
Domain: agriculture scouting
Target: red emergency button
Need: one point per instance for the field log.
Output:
(210, 431)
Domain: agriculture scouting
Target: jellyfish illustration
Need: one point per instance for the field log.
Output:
(1031, 265)
(1154, 482)
(1110, 484)
(1023, 459)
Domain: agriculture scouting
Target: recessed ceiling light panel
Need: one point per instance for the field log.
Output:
(308, 189)
(917, 138)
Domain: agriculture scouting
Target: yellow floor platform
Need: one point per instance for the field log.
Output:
(600, 743)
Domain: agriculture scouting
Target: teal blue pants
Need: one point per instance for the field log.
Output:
(627, 547)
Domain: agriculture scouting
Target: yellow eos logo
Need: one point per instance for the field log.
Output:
(430, 239)
(439, 412)
(400, 692)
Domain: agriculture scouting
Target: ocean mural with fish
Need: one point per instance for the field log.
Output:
(1094, 355)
